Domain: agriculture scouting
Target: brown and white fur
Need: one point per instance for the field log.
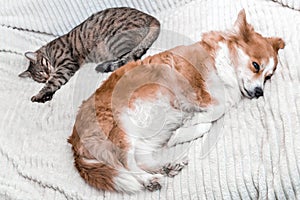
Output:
(147, 106)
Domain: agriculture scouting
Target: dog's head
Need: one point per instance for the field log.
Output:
(255, 57)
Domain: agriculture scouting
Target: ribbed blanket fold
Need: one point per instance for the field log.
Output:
(257, 153)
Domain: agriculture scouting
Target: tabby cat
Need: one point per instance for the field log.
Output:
(111, 37)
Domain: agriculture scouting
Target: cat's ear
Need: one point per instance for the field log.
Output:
(32, 56)
(25, 74)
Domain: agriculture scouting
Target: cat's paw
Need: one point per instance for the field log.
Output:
(42, 97)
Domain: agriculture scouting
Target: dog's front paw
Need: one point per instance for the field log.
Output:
(42, 97)
(172, 169)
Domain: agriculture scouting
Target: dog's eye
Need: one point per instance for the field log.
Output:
(256, 66)
(267, 78)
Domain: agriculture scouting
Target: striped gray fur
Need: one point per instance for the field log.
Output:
(111, 37)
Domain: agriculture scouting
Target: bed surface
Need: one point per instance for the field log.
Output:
(257, 151)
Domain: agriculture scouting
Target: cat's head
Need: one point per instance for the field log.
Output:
(39, 67)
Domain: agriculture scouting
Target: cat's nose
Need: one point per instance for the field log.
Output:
(258, 92)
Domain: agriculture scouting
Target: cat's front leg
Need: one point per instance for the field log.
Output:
(59, 78)
(42, 96)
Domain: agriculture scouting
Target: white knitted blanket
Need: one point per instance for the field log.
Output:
(257, 154)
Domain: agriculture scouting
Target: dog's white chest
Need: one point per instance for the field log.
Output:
(225, 88)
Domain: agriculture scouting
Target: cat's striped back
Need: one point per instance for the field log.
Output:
(111, 37)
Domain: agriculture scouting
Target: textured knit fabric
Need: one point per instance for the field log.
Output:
(257, 151)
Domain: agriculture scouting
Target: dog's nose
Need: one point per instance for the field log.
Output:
(258, 92)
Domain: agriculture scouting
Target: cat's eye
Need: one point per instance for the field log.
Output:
(256, 66)
(44, 62)
(42, 73)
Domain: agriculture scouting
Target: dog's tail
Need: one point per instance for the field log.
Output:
(101, 175)
(98, 175)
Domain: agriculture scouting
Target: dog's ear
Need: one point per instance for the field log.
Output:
(241, 27)
(277, 43)
(240, 21)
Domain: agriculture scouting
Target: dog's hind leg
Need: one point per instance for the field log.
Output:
(149, 181)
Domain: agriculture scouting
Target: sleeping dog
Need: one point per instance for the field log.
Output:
(147, 106)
